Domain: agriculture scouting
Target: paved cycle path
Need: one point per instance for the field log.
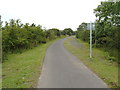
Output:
(63, 70)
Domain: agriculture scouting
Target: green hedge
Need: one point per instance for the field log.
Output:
(17, 36)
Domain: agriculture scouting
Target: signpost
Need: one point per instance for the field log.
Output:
(90, 26)
(90, 41)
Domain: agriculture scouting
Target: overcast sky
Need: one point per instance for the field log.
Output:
(50, 13)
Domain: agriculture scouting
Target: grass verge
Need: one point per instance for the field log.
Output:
(0, 76)
(23, 70)
(106, 70)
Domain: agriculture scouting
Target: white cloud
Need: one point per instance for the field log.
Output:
(50, 13)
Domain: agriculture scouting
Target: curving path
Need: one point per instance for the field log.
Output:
(63, 70)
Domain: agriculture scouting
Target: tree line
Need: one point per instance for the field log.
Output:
(106, 34)
(17, 36)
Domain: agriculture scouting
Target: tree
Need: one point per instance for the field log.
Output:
(68, 31)
(108, 23)
(83, 26)
(18, 36)
(107, 28)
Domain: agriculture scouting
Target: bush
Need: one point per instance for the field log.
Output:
(17, 36)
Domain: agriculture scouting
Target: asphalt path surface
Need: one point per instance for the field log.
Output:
(63, 70)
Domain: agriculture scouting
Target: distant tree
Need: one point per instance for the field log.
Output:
(53, 33)
(82, 26)
(68, 31)
(56, 31)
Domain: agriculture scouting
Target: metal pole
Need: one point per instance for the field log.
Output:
(90, 41)
(0, 40)
(0, 22)
(0, 51)
(95, 33)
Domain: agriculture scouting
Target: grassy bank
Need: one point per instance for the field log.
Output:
(0, 75)
(23, 70)
(106, 70)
